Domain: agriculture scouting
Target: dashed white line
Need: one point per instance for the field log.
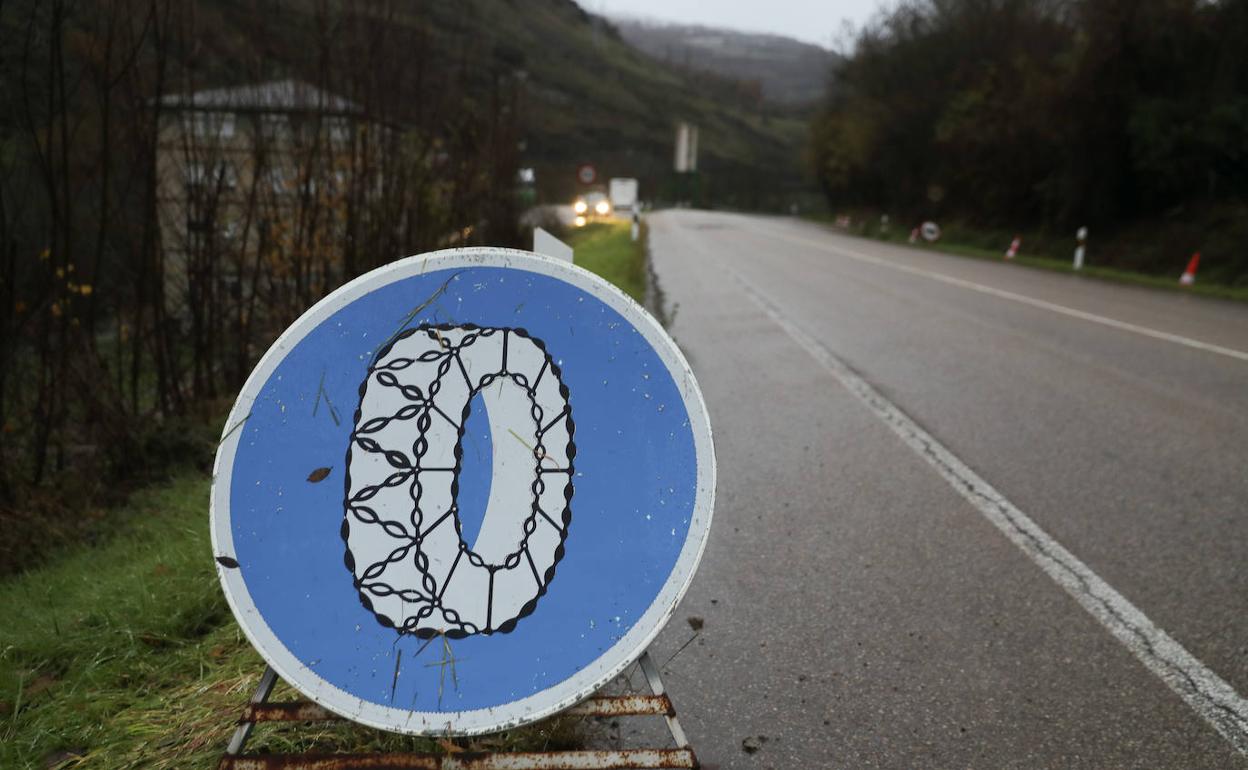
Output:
(1022, 298)
(1203, 690)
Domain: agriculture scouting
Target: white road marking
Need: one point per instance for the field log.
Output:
(1003, 294)
(1203, 690)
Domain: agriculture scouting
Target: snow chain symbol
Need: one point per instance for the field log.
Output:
(405, 543)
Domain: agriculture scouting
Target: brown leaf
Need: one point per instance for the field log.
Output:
(39, 684)
(320, 474)
(448, 747)
(155, 641)
(61, 758)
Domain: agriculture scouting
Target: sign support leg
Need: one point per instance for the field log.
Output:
(243, 731)
(651, 671)
(260, 710)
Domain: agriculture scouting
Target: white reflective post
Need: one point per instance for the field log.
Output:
(550, 246)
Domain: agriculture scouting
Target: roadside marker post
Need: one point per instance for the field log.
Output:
(686, 158)
(550, 246)
(496, 509)
(1081, 238)
(1189, 275)
(1012, 251)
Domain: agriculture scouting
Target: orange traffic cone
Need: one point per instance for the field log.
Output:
(1189, 275)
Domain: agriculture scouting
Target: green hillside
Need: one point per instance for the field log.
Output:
(594, 98)
(586, 96)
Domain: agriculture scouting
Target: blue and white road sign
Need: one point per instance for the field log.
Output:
(462, 492)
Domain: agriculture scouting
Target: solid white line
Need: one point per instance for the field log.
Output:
(1203, 690)
(1003, 294)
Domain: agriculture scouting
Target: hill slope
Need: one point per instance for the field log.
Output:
(588, 96)
(594, 98)
(788, 71)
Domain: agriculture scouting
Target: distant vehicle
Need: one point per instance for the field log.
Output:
(590, 205)
(623, 193)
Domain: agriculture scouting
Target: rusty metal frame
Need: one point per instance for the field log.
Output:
(657, 703)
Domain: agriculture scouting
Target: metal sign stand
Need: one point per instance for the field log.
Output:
(520, 315)
(656, 704)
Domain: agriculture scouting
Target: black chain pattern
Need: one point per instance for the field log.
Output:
(420, 405)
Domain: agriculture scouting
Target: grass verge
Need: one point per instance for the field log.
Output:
(607, 248)
(950, 245)
(122, 653)
(126, 655)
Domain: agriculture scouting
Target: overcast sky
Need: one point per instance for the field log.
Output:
(814, 21)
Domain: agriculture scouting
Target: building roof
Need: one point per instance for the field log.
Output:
(274, 96)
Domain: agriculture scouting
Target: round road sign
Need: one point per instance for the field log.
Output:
(931, 231)
(462, 492)
(586, 174)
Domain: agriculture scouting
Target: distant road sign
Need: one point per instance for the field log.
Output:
(623, 192)
(931, 231)
(686, 159)
(586, 174)
(462, 492)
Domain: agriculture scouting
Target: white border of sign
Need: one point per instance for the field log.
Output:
(561, 696)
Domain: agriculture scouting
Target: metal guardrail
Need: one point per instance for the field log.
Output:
(259, 710)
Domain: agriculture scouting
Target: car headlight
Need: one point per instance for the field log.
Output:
(603, 208)
(580, 207)
(580, 221)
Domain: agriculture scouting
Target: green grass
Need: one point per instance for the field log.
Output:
(1115, 275)
(125, 655)
(607, 248)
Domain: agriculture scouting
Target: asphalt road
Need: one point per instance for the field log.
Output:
(860, 608)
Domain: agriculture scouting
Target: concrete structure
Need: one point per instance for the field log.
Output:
(254, 179)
